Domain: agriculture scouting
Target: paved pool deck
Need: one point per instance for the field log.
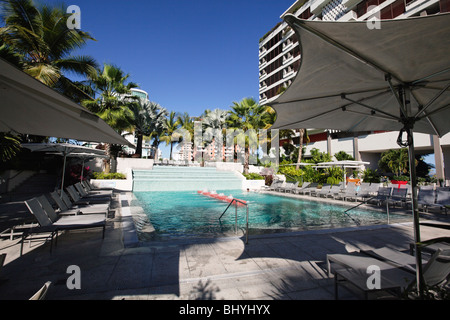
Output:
(288, 266)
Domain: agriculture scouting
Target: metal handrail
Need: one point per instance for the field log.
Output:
(235, 225)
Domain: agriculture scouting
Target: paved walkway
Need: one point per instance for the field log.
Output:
(288, 266)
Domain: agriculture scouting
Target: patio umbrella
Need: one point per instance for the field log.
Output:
(65, 150)
(30, 107)
(356, 78)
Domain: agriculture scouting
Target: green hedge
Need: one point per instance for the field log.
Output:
(108, 176)
(253, 176)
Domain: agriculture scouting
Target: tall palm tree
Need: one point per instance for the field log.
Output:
(113, 101)
(303, 136)
(40, 37)
(147, 116)
(169, 136)
(248, 115)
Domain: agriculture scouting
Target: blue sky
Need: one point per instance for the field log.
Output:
(190, 55)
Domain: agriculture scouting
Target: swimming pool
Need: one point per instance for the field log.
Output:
(189, 214)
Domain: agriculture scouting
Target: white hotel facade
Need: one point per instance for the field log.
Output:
(279, 61)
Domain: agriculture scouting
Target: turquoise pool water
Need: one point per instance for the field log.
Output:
(189, 214)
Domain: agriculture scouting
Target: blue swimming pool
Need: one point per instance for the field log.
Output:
(189, 214)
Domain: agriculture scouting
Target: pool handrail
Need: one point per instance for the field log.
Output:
(245, 203)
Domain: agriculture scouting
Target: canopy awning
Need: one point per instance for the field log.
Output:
(30, 107)
(350, 76)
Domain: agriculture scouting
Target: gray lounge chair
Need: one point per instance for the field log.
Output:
(398, 195)
(42, 292)
(289, 187)
(348, 193)
(51, 228)
(75, 210)
(383, 194)
(426, 198)
(84, 193)
(324, 191)
(443, 199)
(335, 190)
(311, 187)
(276, 184)
(397, 270)
(2, 260)
(85, 200)
(304, 185)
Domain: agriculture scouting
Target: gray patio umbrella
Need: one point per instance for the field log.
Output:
(356, 78)
(65, 150)
(30, 107)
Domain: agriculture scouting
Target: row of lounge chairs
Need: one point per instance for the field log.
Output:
(85, 208)
(397, 270)
(369, 193)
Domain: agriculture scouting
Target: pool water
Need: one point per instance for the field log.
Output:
(189, 214)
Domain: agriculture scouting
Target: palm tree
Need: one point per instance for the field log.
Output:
(113, 101)
(40, 38)
(214, 124)
(169, 136)
(303, 135)
(147, 116)
(248, 115)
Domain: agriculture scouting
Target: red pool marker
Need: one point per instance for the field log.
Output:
(222, 197)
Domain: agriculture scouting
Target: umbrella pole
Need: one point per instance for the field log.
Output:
(63, 174)
(415, 211)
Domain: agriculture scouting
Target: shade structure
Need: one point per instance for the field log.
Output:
(65, 150)
(30, 107)
(354, 77)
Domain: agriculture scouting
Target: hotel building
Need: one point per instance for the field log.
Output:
(279, 62)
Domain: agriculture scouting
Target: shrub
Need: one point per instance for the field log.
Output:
(254, 176)
(108, 176)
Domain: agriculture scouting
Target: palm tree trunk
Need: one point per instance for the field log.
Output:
(107, 161)
(140, 137)
(246, 160)
(300, 148)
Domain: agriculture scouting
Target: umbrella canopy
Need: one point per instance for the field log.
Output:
(355, 78)
(352, 78)
(30, 107)
(65, 150)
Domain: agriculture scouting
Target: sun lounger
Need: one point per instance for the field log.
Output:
(311, 187)
(383, 194)
(397, 270)
(443, 199)
(304, 185)
(321, 192)
(348, 193)
(2, 260)
(42, 292)
(426, 198)
(84, 209)
(289, 187)
(276, 184)
(85, 200)
(83, 192)
(335, 190)
(398, 195)
(48, 226)
(54, 216)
